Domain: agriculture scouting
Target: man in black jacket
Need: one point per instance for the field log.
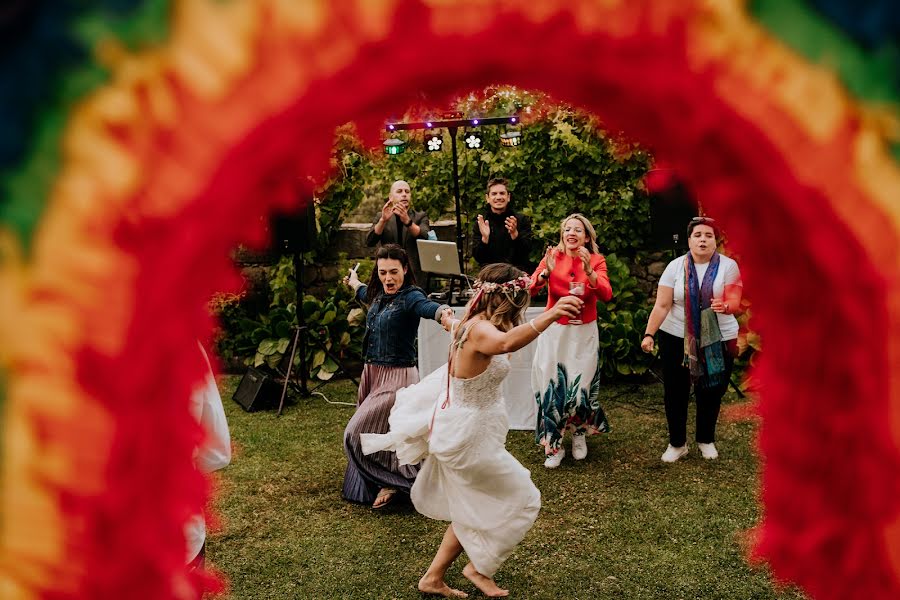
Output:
(500, 234)
(398, 223)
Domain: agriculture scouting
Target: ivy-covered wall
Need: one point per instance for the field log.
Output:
(566, 163)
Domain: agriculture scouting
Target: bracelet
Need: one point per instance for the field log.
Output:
(648, 335)
(536, 330)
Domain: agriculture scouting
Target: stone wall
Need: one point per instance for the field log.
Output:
(648, 271)
(350, 243)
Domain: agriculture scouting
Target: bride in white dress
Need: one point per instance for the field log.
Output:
(468, 477)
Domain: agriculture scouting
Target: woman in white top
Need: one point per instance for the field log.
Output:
(698, 295)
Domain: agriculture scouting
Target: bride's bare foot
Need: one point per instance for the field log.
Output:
(487, 585)
(428, 585)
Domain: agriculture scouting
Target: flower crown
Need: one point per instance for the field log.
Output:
(512, 286)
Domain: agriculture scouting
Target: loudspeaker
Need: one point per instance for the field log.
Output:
(671, 209)
(257, 391)
(295, 232)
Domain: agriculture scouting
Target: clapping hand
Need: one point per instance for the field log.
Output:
(550, 258)
(485, 228)
(387, 211)
(401, 211)
(512, 226)
(585, 257)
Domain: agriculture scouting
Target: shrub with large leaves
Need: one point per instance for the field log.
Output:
(234, 337)
(335, 325)
(621, 323)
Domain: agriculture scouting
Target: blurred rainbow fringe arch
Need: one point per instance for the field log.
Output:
(144, 137)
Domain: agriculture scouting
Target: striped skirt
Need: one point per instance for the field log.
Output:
(366, 474)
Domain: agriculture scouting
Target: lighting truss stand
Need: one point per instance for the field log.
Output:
(302, 341)
(453, 126)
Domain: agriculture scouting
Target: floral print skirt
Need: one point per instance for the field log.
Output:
(565, 381)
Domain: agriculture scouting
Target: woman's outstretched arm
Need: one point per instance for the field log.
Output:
(490, 341)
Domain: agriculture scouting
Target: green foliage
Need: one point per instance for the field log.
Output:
(264, 337)
(334, 323)
(622, 322)
(566, 163)
(338, 196)
(234, 338)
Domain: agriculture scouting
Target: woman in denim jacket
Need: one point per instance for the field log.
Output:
(389, 349)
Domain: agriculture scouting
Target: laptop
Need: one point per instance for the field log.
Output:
(441, 258)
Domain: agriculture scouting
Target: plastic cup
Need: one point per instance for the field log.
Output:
(576, 288)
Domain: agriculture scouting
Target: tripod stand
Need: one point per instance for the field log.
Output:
(303, 340)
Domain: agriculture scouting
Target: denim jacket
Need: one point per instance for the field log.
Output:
(392, 325)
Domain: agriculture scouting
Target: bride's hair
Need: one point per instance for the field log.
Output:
(502, 297)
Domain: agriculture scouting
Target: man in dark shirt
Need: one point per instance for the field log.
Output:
(398, 223)
(500, 234)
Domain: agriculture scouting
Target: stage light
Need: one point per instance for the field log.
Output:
(510, 138)
(473, 140)
(434, 142)
(513, 120)
(394, 146)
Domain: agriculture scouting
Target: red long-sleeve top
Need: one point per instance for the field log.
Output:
(568, 269)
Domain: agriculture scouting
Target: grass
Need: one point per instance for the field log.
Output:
(620, 524)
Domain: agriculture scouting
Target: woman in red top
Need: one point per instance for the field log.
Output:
(565, 375)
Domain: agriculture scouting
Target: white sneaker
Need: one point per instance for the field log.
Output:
(672, 453)
(553, 460)
(579, 447)
(708, 451)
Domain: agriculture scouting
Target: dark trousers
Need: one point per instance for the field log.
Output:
(677, 391)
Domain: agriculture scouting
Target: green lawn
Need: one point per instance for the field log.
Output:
(620, 524)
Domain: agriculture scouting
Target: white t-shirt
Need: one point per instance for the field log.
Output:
(673, 277)
(213, 454)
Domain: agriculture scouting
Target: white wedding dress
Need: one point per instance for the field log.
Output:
(468, 477)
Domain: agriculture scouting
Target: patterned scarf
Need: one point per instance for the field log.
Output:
(702, 338)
